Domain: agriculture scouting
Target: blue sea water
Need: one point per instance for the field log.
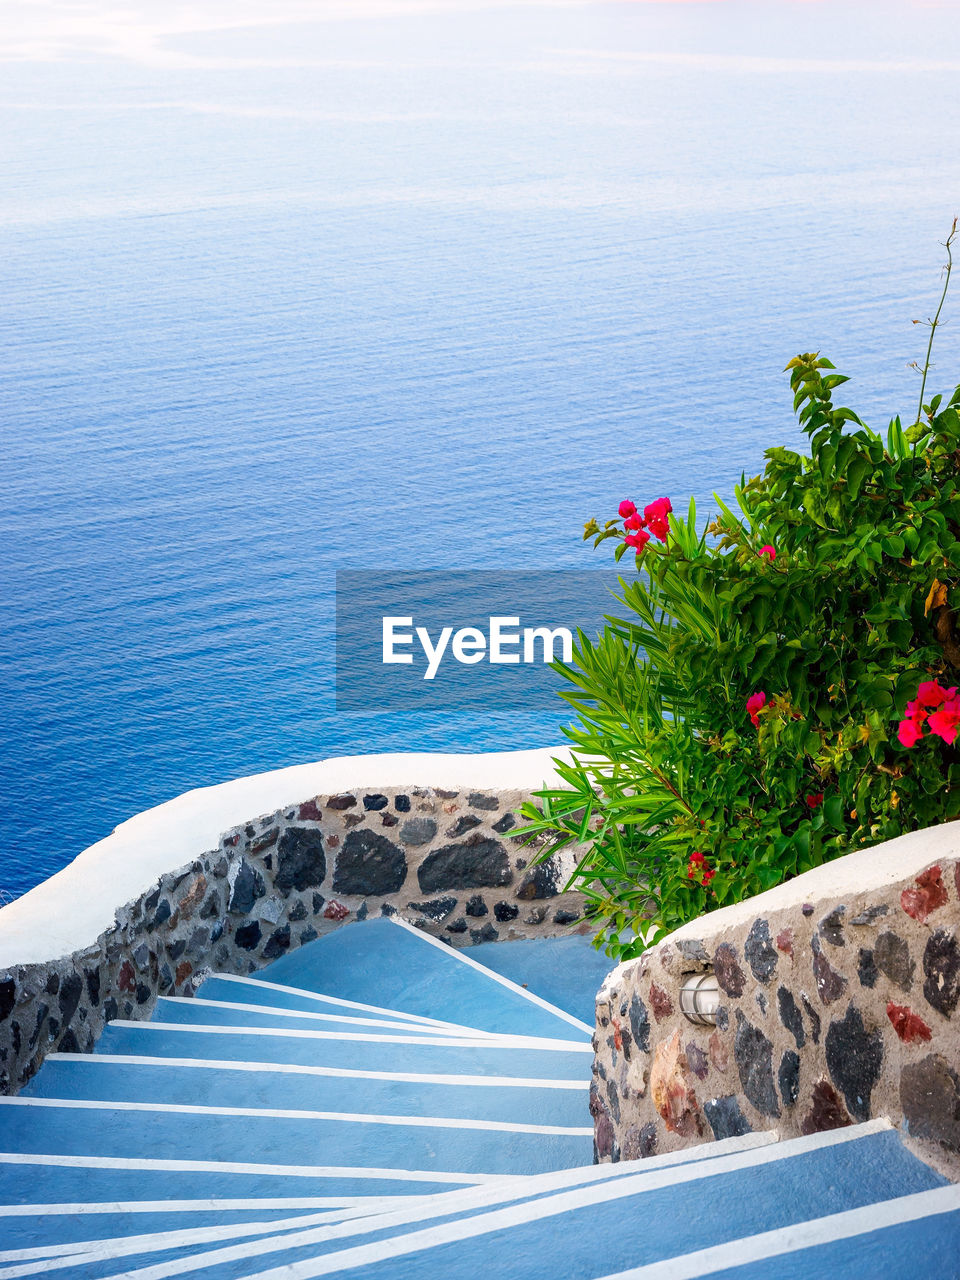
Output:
(404, 285)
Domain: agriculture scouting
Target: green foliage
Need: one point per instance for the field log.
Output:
(856, 609)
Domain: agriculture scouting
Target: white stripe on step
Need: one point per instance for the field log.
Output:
(801, 1235)
(157, 1241)
(274, 1011)
(272, 1113)
(297, 1033)
(296, 1068)
(369, 1204)
(356, 1005)
(503, 1219)
(497, 977)
(339, 1172)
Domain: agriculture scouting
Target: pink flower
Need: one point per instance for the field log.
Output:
(768, 551)
(909, 733)
(627, 508)
(696, 857)
(637, 540)
(633, 522)
(930, 694)
(946, 720)
(656, 516)
(815, 799)
(754, 703)
(916, 712)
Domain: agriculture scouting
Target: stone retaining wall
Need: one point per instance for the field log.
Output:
(445, 860)
(838, 1002)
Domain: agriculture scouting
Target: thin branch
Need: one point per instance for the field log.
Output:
(936, 319)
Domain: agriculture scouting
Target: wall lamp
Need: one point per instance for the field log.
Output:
(700, 999)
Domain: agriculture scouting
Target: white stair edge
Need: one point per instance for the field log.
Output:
(362, 1037)
(150, 1164)
(336, 1001)
(297, 1068)
(273, 1011)
(278, 1113)
(58, 1256)
(497, 977)
(801, 1235)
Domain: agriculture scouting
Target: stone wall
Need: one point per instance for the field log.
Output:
(444, 859)
(839, 1001)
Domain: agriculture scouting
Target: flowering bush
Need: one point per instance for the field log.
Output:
(777, 689)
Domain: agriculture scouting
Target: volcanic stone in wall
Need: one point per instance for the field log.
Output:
(369, 863)
(930, 1097)
(754, 1057)
(854, 1056)
(541, 881)
(473, 864)
(300, 861)
(437, 909)
(941, 968)
(788, 1077)
(247, 888)
(891, 955)
(417, 831)
(726, 1118)
(791, 1016)
(826, 1110)
(759, 951)
(729, 974)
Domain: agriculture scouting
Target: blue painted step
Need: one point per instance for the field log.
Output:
(848, 1246)
(98, 1076)
(383, 1053)
(393, 965)
(230, 1013)
(566, 971)
(261, 991)
(43, 1125)
(27, 1178)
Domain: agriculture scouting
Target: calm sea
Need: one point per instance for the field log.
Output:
(404, 286)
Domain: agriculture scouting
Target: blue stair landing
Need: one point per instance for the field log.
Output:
(378, 1105)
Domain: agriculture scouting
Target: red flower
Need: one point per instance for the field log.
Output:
(946, 720)
(633, 522)
(815, 799)
(699, 869)
(768, 551)
(909, 733)
(627, 508)
(754, 703)
(637, 540)
(656, 516)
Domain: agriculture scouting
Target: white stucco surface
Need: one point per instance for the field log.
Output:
(848, 877)
(70, 910)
